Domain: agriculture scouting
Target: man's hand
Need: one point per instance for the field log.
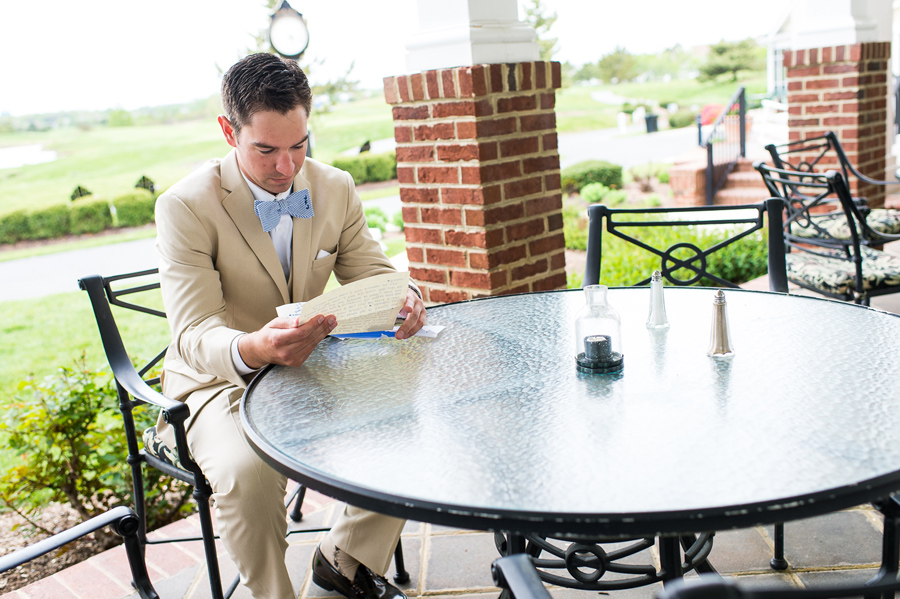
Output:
(414, 311)
(284, 341)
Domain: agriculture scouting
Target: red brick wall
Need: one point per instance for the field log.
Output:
(843, 89)
(478, 167)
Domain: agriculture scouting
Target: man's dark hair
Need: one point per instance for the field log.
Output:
(263, 82)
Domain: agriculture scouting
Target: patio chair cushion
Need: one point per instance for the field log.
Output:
(154, 445)
(835, 224)
(836, 275)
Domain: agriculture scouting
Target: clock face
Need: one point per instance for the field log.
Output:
(288, 35)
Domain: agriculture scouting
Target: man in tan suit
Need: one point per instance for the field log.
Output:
(263, 227)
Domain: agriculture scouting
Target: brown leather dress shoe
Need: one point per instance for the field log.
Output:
(365, 585)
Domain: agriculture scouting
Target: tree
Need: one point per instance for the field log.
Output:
(731, 57)
(535, 15)
(617, 66)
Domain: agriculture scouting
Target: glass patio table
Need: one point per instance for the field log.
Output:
(491, 427)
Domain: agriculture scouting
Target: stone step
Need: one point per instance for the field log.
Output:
(743, 179)
(741, 195)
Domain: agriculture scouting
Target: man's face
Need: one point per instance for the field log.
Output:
(271, 148)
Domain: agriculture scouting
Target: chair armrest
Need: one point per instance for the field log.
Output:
(516, 572)
(122, 520)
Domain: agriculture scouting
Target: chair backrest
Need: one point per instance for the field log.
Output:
(812, 155)
(803, 194)
(683, 262)
(135, 386)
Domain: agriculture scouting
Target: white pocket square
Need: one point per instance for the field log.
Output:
(322, 254)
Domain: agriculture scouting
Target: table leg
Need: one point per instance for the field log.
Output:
(890, 543)
(670, 559)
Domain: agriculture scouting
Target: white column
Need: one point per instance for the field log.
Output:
(456, 33)
(821, 23)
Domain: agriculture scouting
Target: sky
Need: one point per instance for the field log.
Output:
(60, 55)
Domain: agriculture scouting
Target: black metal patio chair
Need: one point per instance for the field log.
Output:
(139, 292)
(680, 262)
(121, 520)
(821, 257)
(819, 154)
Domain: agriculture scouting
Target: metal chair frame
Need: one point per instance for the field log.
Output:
(121, 520)
(723, 215)
(803, 193)
(134, 390)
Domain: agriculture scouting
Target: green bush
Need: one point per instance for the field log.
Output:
(368, 167)
(353, 165)
(593, 193)
(380, 167)
(91, 217)
(135, 209)
(14, 227)
(376, 218)
(682, 118)
(397, 220)
(591, 171)
(663, 177)
(69, 446)
(48, 223)
(616, 197)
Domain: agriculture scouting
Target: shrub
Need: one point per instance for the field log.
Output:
(593, 193)
(14, 227)
(397, 220)
(353, 165)
(380, 167)
(663, 176)
(67, 438)
(682, 118)
(134, 209)
(376, 218)
(80, 192)
(47, 223)
(591, 171)
(91, 217)
(615, 197)
(368, 167)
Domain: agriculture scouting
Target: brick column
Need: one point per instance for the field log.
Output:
(843, 89)
(478, 167)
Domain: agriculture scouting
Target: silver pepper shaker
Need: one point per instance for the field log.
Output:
(657, 318)
(720, 333)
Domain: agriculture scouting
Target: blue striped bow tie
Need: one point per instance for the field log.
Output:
(297, 204)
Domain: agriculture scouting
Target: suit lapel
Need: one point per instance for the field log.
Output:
(238, 203)
(301, 243)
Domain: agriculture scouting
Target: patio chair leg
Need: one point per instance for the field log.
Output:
(134, 551)
(778, 562)
(209, 544)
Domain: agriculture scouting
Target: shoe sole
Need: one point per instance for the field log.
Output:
(322, 582)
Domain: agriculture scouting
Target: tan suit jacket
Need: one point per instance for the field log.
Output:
(221, 275)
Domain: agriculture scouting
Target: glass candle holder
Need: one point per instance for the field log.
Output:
(598, 334)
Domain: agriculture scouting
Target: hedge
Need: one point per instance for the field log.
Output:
(15, 226)
(591, 171)
(91, 217)
(49, 223)
(135, 209)
(368, 167)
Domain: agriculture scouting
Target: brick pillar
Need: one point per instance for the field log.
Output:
(843, 89)
(478, 167)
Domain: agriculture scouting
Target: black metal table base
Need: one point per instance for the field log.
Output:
(583, 564)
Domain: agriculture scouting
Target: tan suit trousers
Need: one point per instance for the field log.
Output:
(250, 511)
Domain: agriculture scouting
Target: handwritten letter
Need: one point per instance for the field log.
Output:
(370, 304)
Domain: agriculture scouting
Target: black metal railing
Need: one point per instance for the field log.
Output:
(725, 143)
